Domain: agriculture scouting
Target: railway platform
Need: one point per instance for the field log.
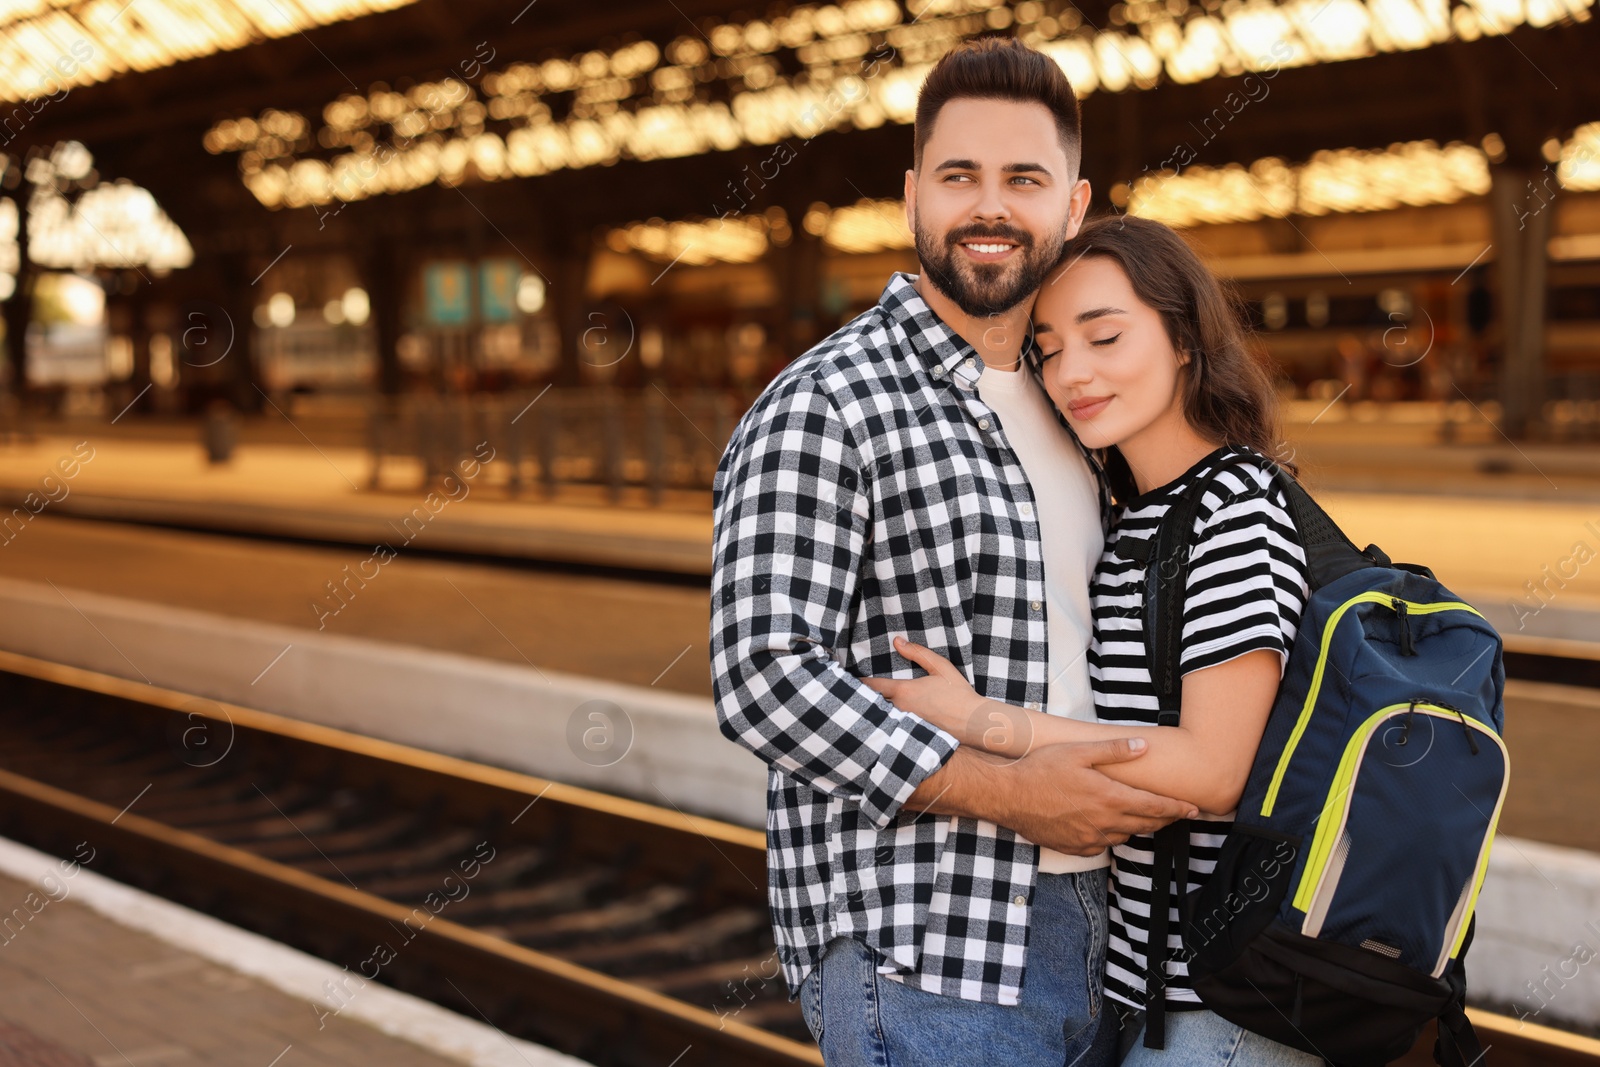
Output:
(316, 482)
(98, 974)
(315, 493)
(1510, 527)
(507, 656)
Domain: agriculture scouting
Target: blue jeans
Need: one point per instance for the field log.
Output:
(864, 1019)
(1205, 1039)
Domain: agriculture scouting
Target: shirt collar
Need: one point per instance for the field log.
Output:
(940, 349)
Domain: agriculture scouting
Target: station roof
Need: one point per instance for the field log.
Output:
(640, 108)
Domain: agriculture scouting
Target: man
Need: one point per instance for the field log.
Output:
(879, 487)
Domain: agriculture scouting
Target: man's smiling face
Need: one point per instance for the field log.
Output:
(992, 203)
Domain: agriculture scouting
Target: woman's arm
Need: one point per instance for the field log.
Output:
(1204, 760)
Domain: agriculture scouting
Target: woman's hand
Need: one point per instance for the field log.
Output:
(944, 696)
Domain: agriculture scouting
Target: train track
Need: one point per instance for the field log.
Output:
(612, 930)
(618, 932)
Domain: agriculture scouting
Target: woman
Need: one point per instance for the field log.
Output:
(1144, 355)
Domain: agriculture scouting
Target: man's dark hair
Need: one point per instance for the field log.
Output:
(1000, 68)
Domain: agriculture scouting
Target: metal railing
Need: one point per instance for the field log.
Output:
(557, 437)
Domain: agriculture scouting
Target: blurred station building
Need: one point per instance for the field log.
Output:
(368, 208)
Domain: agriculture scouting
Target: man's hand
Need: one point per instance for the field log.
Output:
(1062, 801)
(1054, 796)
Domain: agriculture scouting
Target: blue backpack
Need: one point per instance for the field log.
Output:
(1341, 906)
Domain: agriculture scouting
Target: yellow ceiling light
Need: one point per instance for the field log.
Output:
(865, 226)
(47, 46)
(862, 63)
(697, 242)
(1580, 159)
(116, 225)
(1348, 180)
(113, 225)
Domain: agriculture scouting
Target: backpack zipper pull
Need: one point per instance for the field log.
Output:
(1472, 742)
(1406, 646)
(1405, 724)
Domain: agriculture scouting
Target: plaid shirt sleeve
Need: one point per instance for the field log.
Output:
(792, 516)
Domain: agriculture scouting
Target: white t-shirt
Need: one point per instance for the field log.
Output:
(1068, 503)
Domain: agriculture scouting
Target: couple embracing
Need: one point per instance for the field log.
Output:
(926, 612)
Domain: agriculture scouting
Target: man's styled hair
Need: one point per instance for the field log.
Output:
(1000, 68)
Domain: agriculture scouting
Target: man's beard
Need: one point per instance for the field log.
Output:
(985, 289)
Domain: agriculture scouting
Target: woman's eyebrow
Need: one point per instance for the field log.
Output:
(1097, 313)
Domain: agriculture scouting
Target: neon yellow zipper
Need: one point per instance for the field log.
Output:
(1373, 597)
(1331, 823)
(1483, 857)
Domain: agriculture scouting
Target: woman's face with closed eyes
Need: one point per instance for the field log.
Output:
(1109, 363)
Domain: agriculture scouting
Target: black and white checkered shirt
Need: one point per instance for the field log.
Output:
(869, 492)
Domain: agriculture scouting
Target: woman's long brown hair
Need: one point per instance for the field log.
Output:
(1229, 385)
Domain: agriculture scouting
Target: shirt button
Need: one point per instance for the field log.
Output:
(983, 424)
(938, 372)
(1032, 705)
(970, 364)
(1019, 900)
(1026, 510)
(1036, 605)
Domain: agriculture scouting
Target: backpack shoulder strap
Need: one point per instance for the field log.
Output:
(1457, 1044)
(1166, 557)
(1166, 576)
(1330, 555)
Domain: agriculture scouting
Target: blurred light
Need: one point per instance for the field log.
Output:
(697, 242)
(1317, 310)
(163, 368)
(48, 47)
(119, 357)
(71, 160)
(112, 225)
(280, 310)
(10, 254)
(816, 219)
(869, 226)
(530, 294)
(82, 299)
(1396, 303)
(356, 306)
(333, 311)
(749, 335)
(1274, 311)
(858, 64)
(1346, 180)
(1580, 159)
(652, 347)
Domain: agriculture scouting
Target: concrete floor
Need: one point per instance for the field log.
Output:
(82, 991)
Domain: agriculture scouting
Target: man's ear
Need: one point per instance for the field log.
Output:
(911, 200)
(1078, 206)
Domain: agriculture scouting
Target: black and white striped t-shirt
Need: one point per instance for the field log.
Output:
(1245, 591)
